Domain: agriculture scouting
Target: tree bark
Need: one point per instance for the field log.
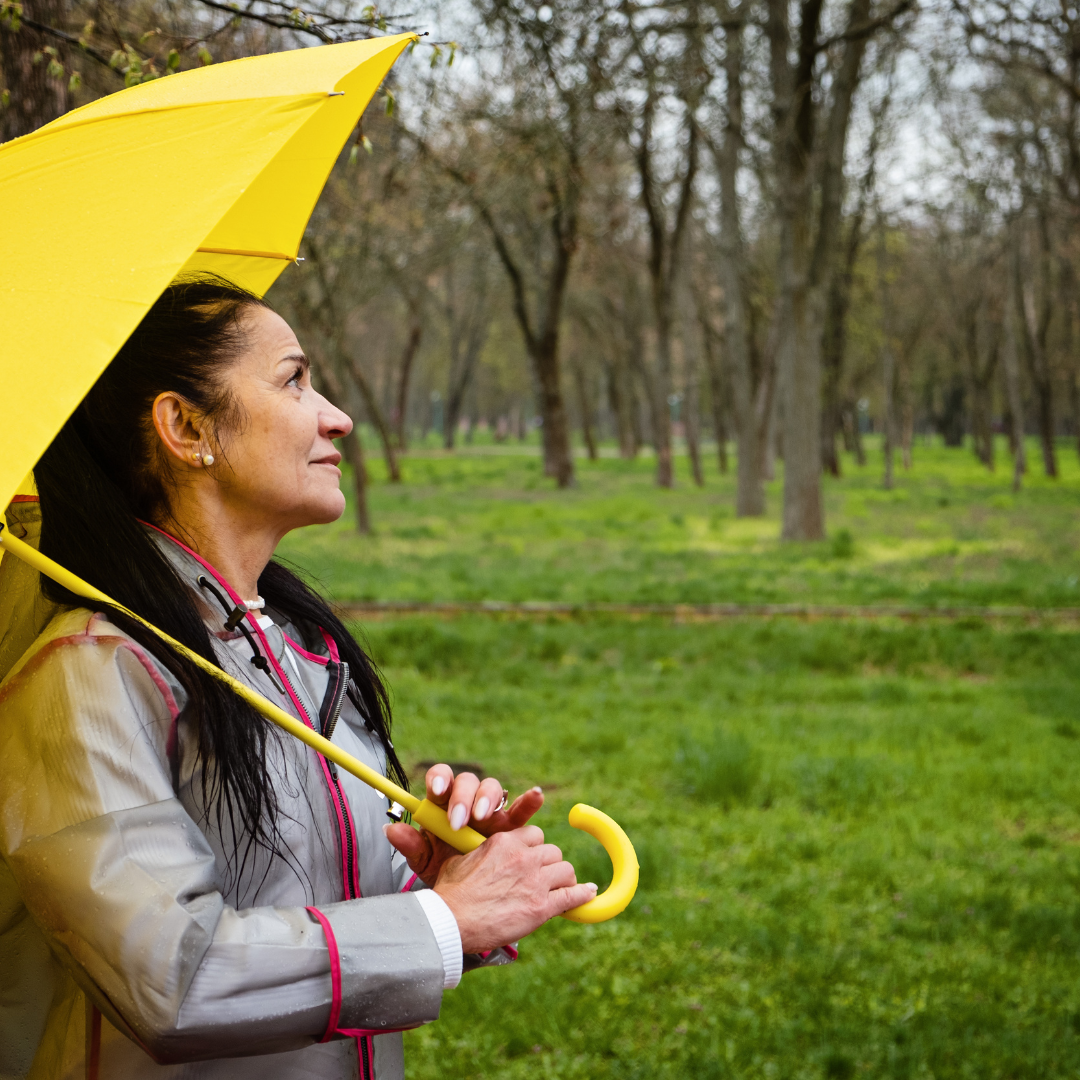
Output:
(805, 265)
(751, 383)
(1035, 325)
(690, 337)
(888, 357)
(1067, 302)
(717, 394)
(585, 409)
(982, 352)
(621, 402)
(555, 432)
(1012, 370)
(353, 449)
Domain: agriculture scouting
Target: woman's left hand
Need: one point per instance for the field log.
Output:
(467, 800)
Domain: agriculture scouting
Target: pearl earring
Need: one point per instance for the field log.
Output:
(196, 456)
(209, 459)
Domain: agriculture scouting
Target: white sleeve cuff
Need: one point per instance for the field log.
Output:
(445, 928)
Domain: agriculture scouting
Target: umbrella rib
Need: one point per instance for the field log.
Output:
(243, 251)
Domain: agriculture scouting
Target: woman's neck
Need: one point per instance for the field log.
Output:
(228, 541)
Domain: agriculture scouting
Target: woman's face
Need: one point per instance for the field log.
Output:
(279, 469)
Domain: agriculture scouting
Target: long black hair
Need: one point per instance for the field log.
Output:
(106, 470)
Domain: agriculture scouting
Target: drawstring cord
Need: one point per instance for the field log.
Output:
(234, 620)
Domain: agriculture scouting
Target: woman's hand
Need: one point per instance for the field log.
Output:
(466, 800)
(511, 884)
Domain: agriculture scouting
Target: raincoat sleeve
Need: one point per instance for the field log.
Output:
(406, 881)
(125, 887)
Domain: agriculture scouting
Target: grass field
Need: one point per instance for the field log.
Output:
(860, 840)
(489, 526)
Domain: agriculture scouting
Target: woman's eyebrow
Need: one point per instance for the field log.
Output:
(296, 358)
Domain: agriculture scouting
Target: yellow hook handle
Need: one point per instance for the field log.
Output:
(624, 863)
(431, 817)
(595, 822)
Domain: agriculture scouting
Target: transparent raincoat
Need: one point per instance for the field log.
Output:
(124, 910)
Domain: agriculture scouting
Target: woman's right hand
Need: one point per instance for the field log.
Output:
(509, 886)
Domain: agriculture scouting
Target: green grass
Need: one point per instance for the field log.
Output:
(860, 844)
(860, 841)
(483, 525)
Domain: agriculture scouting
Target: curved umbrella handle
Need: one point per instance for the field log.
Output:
(624, 863)
(587, 818)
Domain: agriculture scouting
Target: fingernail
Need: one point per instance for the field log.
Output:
(591, 885)
(458, 816)
(386, 831)
(538, 789)
(480, 811)
(438, 785)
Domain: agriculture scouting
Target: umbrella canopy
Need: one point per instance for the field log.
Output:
(216, 169)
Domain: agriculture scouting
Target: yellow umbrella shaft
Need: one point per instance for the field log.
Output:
(431, 817)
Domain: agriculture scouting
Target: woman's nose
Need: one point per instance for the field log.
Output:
(333, 423)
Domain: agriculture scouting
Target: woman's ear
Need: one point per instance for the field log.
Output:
(178, 427)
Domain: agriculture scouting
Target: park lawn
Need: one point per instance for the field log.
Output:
(484, 524)
(860, 844)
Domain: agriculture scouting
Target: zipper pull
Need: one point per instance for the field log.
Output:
(263, 665)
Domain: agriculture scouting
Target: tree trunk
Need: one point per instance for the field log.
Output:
(555, 432)
(689, 333)
(351, 446)
(586, 411)
(717, 395)
(353, 450)
(620, 400)
(375, 414)
(833, 374)
(661, 410)
(888, 356)
(407, 357)
(1035, 324)
(798, 356)
(982, 350)
(1067, 301)
(1012, 372)
(751, 384)
(804, 269)
(655, 410)
(853, 434)
(36, 97)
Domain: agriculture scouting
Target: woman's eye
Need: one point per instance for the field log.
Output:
(297, 375)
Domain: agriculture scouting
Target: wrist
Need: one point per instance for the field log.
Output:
(459, 908)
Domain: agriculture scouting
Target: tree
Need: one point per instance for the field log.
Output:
(809, 175)
(519, 154)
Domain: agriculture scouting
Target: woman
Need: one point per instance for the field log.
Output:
(186, 891)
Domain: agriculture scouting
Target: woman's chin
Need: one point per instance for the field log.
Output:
(324, 510)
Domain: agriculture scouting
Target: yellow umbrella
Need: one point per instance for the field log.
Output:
(218, 170)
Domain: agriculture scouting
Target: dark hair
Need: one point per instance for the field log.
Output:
(104, 472)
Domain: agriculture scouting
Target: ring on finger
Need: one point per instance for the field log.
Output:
(502, 802)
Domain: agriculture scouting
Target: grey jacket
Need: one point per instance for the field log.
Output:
(118, 892)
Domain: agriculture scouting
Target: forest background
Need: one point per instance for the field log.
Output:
(646, 307)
